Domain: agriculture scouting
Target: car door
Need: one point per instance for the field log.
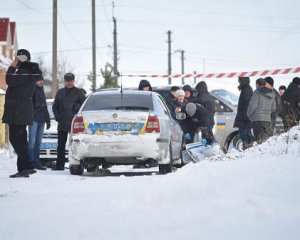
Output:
(176, 132)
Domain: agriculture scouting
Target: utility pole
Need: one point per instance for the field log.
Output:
(182, 66)
(195, 79)
(169, 58)
(54, 49)
(94, 46)
(116, 73)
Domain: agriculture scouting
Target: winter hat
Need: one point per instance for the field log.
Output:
(296, 80)
(69, 77)
(201, 87)
(190, 109)
(23, 55)
(145, 83)
(187, 88)
(270, 81)
(180, 92)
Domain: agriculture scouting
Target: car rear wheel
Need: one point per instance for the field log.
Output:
(166, 168)
(77, 169)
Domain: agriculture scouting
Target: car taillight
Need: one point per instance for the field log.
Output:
(152, 125)
(78, 125)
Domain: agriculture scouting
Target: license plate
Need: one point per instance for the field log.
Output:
(48, 145)
(115, 127)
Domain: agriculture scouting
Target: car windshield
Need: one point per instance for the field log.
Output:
(49, 106)
(132, 102)
(227, 96)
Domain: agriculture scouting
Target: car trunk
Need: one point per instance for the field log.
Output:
(115, 122)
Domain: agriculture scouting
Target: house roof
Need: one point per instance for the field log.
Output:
(4, 24)
(12, 31)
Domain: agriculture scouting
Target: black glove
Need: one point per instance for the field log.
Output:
(48, 125)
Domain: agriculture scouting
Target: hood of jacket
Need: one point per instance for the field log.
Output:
(244, 81)
(144, 83)
(201, 87)
(269, 93)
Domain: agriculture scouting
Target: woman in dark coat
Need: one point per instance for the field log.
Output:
(242, 122)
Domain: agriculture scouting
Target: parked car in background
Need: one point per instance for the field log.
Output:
(48, 151)
(124, 127)
(226, 109)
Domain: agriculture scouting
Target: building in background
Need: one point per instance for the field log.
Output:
(8, 47)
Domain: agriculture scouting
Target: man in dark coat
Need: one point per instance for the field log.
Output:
(172, 97)
(207, 101)
(197, 119)
(291, 104)
(242, 122)
(270, 84)
(18, 109)
(67, 102)
(36, 129)
(145, 85)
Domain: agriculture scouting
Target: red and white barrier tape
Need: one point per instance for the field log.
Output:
(262, 73)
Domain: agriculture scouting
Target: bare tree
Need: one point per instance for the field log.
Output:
(109, 79)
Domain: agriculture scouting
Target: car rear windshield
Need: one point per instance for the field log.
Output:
(132, 102)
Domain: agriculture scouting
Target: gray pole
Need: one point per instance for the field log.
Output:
(54, 50)
(195, 79)
(182, 66)
(169, 58)
(94, 45)
(115, 51)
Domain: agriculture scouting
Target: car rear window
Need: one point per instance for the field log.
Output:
(132, 102)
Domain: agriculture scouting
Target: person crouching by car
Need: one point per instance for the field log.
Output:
(196, 119)
(67, 102)
(40, 118)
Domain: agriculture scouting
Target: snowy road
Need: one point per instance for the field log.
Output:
(253, 196)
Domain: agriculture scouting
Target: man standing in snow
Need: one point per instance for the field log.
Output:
(270, 84)
(40, 118)
(242, 122)
(67, 102)
(291, 104)
(18, 109)
(261, 105)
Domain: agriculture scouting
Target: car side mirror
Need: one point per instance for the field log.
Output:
(180, 116)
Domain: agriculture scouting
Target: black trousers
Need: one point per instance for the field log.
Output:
(18, 139)
(61, 148)
(261, 131)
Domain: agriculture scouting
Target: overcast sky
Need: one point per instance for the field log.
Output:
(225, 35)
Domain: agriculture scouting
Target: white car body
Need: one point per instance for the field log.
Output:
(119, 136)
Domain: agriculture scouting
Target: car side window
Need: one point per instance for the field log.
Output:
(164, 105)
(221, 107)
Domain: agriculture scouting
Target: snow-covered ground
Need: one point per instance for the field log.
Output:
(252, 195)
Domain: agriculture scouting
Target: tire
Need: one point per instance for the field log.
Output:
(237, 143)
(77, 169)
(166, 168)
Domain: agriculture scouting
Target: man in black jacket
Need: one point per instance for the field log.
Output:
(40, 118)
(291, 104)
(207, 101)
(67, 102)
(242, 122)
(18, 109)
(270, 84)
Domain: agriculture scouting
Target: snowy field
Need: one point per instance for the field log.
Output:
(250, 195)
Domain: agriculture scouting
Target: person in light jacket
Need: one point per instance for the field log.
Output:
(261, 105)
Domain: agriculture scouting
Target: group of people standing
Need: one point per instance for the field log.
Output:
(26, 106)
(258, 110)
(200, 109)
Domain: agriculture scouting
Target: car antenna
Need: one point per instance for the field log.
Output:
(121, 85)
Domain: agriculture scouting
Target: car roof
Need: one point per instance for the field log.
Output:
(125, 92)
